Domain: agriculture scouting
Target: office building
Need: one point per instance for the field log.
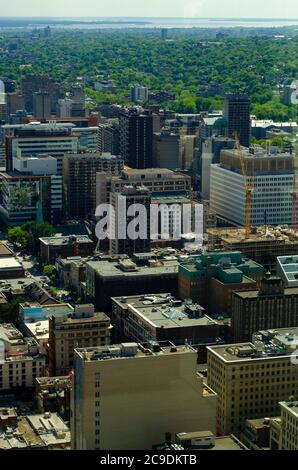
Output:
(34, 84)
(211, 279)
(65, 246)
(270, 175)
(161, 317)
(124, 215)
(35, 139)
(64, 107)
(87, 138)
(210, 154)
(237, 116)
(31, 195)
(251, 378)
(22, 360)
(167, 149)
(139, 94)
(15, 102)
(82, 329)
(78, 97)
(108, 138)
(157, 180)
(270, 307)
(79, 180)
(108, 278)
(136, 138)
(41, 105)
(116, 388)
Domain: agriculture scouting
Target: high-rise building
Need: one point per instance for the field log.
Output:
(79, 180)
(288, 428)
(35, 83)
(78, 97)
(272, 179)
(237, 115)
(85, 328)
(270, 307)
(64, 107)
(108, 138)
(41, 105)
(122, 203)
(15, 102)
(139, 94)
(157, 180)
(121, 386)
(251, 378)
(167, 149)
(136, 138)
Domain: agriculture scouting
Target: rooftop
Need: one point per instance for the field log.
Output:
(131, 350)
(67, 240)
(164, 311)
(266, 345)
(9, 263)
(126, 268)
(291, 407)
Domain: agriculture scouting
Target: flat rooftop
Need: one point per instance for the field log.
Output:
(9, 263)
(164, 311)
(269, 345)
(67, 240)
(131, 350)
(108, 269)
(290, 407)
(39, 329)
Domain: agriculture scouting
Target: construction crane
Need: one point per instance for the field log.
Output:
(249, 187)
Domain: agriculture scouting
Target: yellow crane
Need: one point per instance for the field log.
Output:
(249, 187)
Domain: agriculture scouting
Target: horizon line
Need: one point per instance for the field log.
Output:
(155, 17)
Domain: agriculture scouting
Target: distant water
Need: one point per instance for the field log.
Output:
(120, 23)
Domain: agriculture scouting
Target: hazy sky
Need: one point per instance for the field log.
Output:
(158, 8)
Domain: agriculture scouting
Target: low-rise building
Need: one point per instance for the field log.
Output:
(211, 278)
(21, 361)
(83, 328)
(53, 395)
(10, 268)
(160, 317)
(55, 247)
(110, 277)
(40, 431)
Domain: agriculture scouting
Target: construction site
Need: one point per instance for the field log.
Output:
(263, 245)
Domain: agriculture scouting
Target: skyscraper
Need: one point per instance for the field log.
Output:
(41, 105)
(122, 202)
(237, 115)
(136, 138)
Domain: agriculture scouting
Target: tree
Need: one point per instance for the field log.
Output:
(10, 313)
(18, 236)
(50, 271)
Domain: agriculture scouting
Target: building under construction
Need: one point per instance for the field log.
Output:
(263, 246)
